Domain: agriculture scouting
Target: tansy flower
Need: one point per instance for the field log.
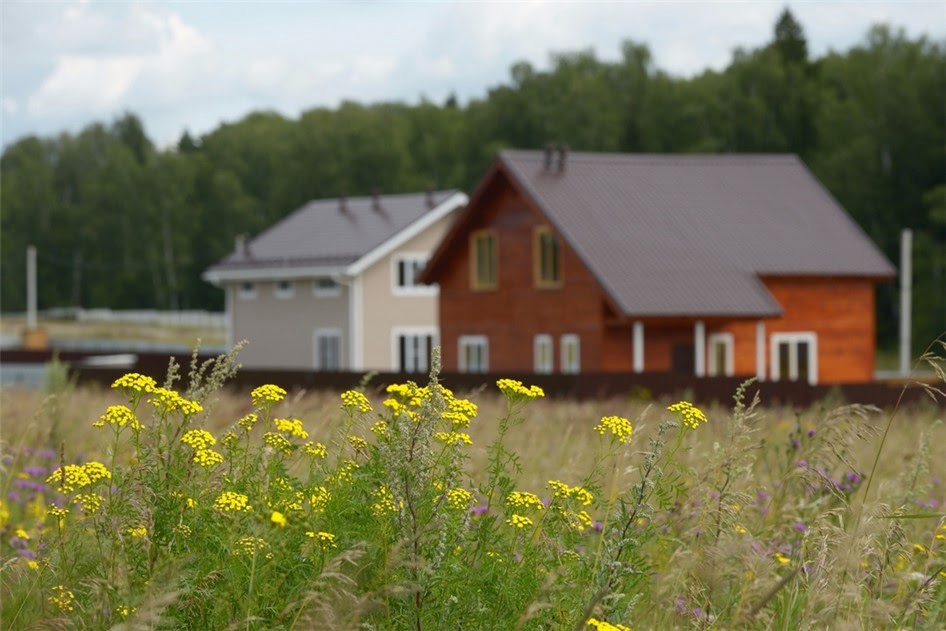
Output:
(459, 499)
(278, 518)
(781, 558)
(523, 499)
(519, 521)
(249, 545)
(316, 450)
(136, 532)
(454, 438)
(513, 389)
(62, 598)
(353, 400)
(198, 439)
(119, 416)
(230, 502)
(384, 502)
(134, 382)
(278, 442)
(207, 458)
(325, 540)
(602, 625)
(357, 442)
(318, 498)
(267, 395)
(620, 428)
(247, 422)
(689, 415)
(292, 427)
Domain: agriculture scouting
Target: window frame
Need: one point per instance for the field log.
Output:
(326, 333)
(793, 339)
(476, 283)
(246, 290)
(541, 236)
(567, 367)
(728, 342)
(326, 292)
(284, 293)
(412, 332)
(414, 289)
(543, 354)
(465, 341)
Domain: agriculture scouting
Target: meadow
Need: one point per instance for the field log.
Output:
(183, 503)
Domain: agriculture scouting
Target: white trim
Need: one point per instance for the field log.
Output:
(355, 325)
(760, 350)
(728, 342)
(428, 219)
(216, 277)
(699, 348)
(284, 293)
(327, 332)
(638, 346)
(543, 347)
(412, 331)
(566, 341)
(415, 289)
(472, 340)
(247, 291)
(792, 339)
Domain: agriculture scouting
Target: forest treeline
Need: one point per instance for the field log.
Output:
(120, 223)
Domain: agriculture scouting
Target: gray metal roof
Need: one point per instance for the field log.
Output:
(323, 235)
(692, 234)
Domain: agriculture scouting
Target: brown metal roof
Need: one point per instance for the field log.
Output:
(691, 234)
(321, 234)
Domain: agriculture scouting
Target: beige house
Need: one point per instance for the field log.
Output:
(333, 286)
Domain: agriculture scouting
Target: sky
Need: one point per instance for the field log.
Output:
(195, 65)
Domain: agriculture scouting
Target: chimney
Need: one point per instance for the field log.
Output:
(430, 196)
(549, 148)
(343, 203)
(376, 199)
(241, 246)
(562, 155)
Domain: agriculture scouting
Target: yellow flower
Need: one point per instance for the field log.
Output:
(357, 442)
(353, 400)
(267, 395)
(207, 458)
(62, 598)
(249, 545)
(379, 429)
(325, 540)
(167, 401)
(90, 502)
(124, 611)
(620, 428)
(579, 521)
(292, 427)
(602, 625)
(459, 412)
(136, 532)
(248, 421)
(513, 389)
(278, 518)
(230, 502)
(119, 416)
(781, 558)
(278, 442)
(198, 439)
(519, 521)
(688, 414)
(318, 498)
(459, 499)
(523, 499)
(384, 502)
(135, 382)
(454, 438)
(316, 450)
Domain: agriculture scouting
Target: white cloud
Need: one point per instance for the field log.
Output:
(9, 105)
(85, 84)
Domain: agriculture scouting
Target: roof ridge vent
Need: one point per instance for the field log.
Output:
(376, 200)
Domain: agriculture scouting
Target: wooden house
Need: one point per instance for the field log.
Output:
(701, 264)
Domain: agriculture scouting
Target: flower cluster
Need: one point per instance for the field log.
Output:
(198, 439)
(384, 502)
(563, 491)
(119, 416)
(230, 502)
(249, 545)
(134, 382)
(168, 401)
(324, 540)
(136, 532)
(454, 438)
(519, 521)
(90, 502)
(62, 598)
(316, 450)
(278, 442)
(291, 427)
(513, 389)
(459, 499)
(602, 625)
(357, 442)
(247, 422)
(318, 498)
(267, 395)
(71, 477)
(524, 499)
(353, 400)
(690, 415)
(459, 411)
(619, 427)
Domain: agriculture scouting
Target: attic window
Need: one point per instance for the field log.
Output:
(247, 291)
(284, 289)
(326, 287)
(483, 258)
(548, 271)
(406, 269)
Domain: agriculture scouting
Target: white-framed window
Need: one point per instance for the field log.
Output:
(719, 355)
(327, 346)
(412, 348)
(542, 354)
(284, 289)
(247, 291)
(405, 270)
(326, 287)
(473, 353)
(794, 357)
(571, 353)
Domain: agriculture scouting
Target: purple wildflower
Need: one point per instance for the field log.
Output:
(800, 526)
(476, 511)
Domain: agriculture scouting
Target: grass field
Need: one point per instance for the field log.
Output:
(759, 518)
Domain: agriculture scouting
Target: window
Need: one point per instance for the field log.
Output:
(548, 271)
(719, 358)
(328, 343)
(794, 357)
(284, 289)
(474, 353)
(326, 287)
(247, 291)
(571, 354)
(542, 354)
(407, 268)
(412, 350)
(483, 260)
